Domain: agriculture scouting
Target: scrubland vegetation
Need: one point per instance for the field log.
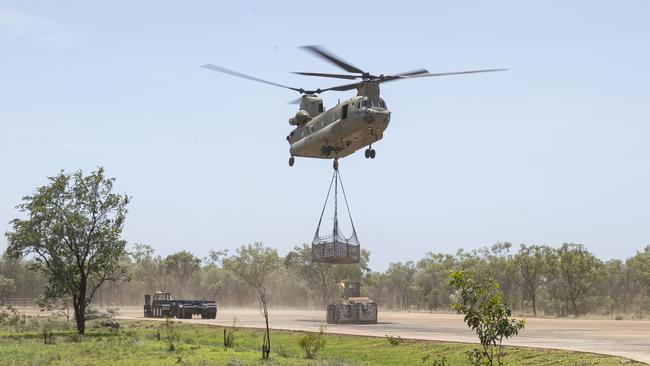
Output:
(564, 281)
(54, 341)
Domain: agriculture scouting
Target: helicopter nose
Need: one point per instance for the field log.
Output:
(376, 116)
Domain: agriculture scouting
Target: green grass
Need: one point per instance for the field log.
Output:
(135, 343)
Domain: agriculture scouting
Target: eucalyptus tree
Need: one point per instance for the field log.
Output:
(579, 272)
(255, 264)
(73, 229)
(531, 263)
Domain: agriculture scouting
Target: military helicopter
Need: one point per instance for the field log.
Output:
(350, 125)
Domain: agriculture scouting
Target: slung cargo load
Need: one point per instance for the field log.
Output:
(335, 247)
(164, 306)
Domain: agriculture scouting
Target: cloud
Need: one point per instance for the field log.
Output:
(21, 26)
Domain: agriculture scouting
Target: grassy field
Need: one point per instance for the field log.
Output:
(145, 343)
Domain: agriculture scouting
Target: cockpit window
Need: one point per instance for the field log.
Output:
(377, 103)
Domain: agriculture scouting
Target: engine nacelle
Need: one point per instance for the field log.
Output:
(301, 118)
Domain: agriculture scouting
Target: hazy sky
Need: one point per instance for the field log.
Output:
(554, 150)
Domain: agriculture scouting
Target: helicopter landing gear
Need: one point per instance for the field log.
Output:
(292, 160)
(336, 164)
(370, 152)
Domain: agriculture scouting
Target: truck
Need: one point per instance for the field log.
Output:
(162, 305)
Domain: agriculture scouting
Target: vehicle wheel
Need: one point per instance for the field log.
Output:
(336, 164)
(372, 154)
(292, 160)
(367, 153)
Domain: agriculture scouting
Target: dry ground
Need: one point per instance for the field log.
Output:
(630, 339)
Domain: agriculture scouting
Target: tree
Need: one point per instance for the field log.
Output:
(531, 263)
(640, 268)
(7, 286)
(401, 277)
(73, 229)
(323, 278)
(486, 313)
(182, 267)
(431, 279)
(254, 264)
(579, 272)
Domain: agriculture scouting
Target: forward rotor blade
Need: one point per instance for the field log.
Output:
(244, 76)
(338, 76)
(320, 52)
(295, 101)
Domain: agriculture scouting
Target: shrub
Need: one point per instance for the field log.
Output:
(438, 361)
(394, 341)
(169, 334)
(311, 343)
(486, 313)
(9, 316)
(229, 334)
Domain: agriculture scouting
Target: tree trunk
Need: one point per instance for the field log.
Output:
(79, 303)
(532, 299)
(266, 343)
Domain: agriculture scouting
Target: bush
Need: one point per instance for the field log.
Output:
(394, 341)
(311, 343)
(93, 313)
(229, 334)
(169, 334)
(486, 313)
(10, 316)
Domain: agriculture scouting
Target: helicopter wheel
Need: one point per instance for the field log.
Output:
(292, 160)
(336, 164)
(372, 153)
(367, 153)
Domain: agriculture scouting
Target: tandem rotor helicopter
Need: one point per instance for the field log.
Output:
(350, 125)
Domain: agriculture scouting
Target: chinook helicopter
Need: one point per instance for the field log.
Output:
(350, 125)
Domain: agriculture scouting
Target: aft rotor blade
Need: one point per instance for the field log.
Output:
(342, 87)
(322, 53)
(238, 74)
(428, 74)
(338, 76)
(403, 75)
(455, 73)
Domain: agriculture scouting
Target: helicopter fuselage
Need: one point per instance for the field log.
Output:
(341, 130)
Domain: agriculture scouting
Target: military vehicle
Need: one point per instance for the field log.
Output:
(350, 125)
(164, 306)
(353, 308)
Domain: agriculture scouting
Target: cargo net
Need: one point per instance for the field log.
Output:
(334, 247)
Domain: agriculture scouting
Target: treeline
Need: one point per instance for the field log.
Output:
(535, 280)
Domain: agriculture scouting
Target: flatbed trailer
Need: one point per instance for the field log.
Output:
(162, 305)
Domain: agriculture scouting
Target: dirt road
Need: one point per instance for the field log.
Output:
(629, 339)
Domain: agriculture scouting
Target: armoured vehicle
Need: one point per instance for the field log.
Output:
(162, 305)
(353, 308)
